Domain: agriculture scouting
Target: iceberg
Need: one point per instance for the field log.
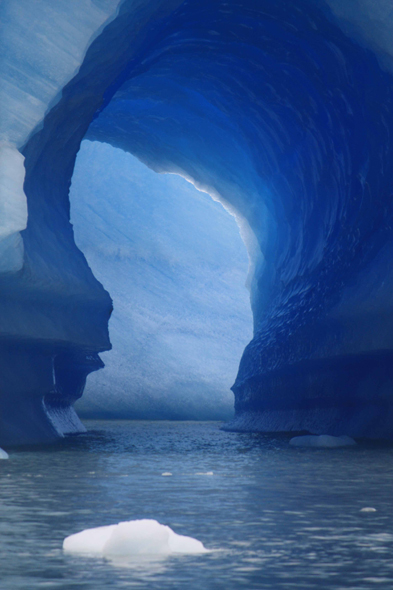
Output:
(282, 111)
(132, 538)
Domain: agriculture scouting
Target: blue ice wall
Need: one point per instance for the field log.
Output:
(288, 120)
(175, 265)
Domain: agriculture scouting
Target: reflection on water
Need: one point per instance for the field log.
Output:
(276, 517)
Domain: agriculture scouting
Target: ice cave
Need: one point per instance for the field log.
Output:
(281, 115)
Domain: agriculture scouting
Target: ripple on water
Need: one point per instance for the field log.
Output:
(272, 521)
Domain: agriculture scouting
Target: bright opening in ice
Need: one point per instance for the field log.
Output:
(175, 265)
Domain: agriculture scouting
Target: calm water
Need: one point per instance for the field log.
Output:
(276, 517)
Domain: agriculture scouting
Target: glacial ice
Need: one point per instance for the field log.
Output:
(285, 114)
(41, 48)
(3, 454)
(13, 201)
(324, 441)
(175, 265)
(132, 538)
(13, 207)
(42, 45)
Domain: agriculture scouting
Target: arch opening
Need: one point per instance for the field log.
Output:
(176, 267)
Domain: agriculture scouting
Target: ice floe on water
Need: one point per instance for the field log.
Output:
(368, 509)
(322, 441)
(130, 538)
(3, 454)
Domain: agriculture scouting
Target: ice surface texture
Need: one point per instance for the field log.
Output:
(277, 110)
(42, 44)
(132, 538)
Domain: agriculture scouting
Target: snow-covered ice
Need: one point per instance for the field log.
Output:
(322, 441)
(130, 538)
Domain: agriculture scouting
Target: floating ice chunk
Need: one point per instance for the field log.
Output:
(368, 509)
(322, 441)
(205, 473)
(166, 473)
(89, 541)
(134, 537)
(3, 454)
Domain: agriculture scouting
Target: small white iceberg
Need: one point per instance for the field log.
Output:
(324, 441)
(131, 538)
(3, 454)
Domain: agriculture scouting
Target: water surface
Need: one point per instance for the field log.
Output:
(276, 517)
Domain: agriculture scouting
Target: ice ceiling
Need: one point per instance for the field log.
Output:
(281, 109)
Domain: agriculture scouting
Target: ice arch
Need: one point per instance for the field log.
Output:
(289, 120)
(176, 268)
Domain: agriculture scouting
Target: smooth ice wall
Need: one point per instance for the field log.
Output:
(176, 266)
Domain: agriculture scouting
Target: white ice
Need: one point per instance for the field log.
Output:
(131, 538)
(13, 207)
(3, 454)
(322, 441)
